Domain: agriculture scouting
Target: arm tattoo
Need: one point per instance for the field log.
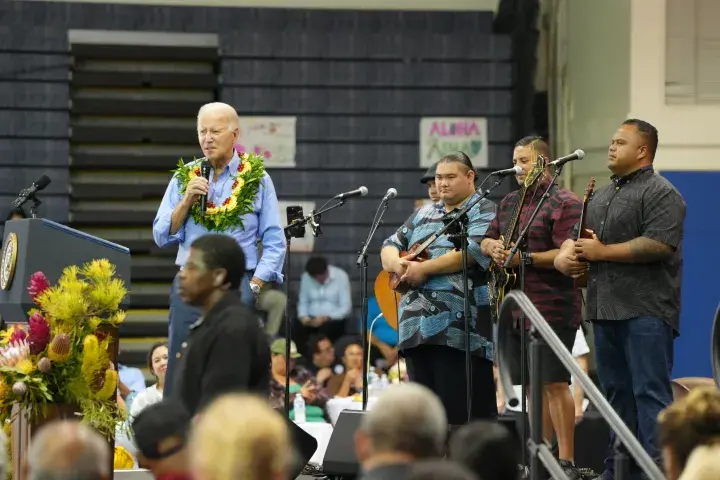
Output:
(646, 250)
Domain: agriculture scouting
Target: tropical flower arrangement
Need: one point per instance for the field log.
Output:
(229, 213)
(62, 355)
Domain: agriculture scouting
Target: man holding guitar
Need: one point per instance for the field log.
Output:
(551, 292)
(431, 326)
(633, 258)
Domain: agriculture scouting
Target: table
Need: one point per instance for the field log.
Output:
(322, 433)
(336, 405)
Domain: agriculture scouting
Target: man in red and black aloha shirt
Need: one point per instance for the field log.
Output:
(551, 292)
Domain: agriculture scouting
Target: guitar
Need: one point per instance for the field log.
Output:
(501, 279)
(583, 232)
(388, 287)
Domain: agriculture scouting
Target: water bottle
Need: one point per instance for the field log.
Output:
(299, 409)
(384, 382)
(374, 386)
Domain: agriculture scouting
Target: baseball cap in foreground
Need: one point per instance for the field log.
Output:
(161, 429)
(278, 348)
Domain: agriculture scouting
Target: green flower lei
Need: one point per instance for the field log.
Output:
(227, 215)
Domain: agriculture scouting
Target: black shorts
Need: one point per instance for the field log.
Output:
(552, 369)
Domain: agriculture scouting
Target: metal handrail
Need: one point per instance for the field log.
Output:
(517, 299)
(715, 347)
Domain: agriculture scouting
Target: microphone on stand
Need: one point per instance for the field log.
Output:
(391, 193)
(508, 171)
(205, 172)
(362, 191)
(576, 155)
(28, 193)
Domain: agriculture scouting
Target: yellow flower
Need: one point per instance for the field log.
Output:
(4, 389)
(109, 385)
(232, 203)
(212, 211)
(100, 270)
(25, 367)
(239, 184)
(122, 460)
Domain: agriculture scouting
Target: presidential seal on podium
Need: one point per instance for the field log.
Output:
(8, 260)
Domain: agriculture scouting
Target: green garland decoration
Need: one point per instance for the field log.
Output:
(229, 214)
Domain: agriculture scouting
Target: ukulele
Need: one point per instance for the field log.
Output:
(583, 232)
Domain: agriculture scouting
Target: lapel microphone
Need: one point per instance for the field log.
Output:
(205, 172)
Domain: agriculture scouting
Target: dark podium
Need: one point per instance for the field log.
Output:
(40, 245)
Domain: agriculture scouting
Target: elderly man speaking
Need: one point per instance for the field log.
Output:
(241, 203)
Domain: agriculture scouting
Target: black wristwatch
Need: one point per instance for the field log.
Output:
(527, 259)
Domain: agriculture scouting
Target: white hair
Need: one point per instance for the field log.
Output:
(68, 449)
(222, 108)
(407, 418)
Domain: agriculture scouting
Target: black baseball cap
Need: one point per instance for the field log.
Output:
(161, 429)
(430, 174)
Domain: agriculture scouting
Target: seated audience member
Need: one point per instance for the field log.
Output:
(16, 214)
(703, 464)
(67, 449)
(161, 432)
(131, 381)
(384, 338)
(157, 363)
(239, 437)
(440, 469)
(322, 352)
(686, 424)
(324, 302)
(301, 381)
(488, 449)
(407, 424)
(349, 382)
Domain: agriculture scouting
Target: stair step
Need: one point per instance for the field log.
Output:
(150, 295)
(145, 323)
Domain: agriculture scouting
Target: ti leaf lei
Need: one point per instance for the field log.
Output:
(229, 214)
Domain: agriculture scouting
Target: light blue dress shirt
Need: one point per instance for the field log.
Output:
(263, 224)
(132, 377)
(329, 299)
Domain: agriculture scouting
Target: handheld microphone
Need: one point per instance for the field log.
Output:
(576, 155)
(39, 184)
(205, 172)
(508, 171)
(362, 191)
(391, 193)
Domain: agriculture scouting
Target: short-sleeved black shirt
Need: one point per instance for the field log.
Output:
(641, 204)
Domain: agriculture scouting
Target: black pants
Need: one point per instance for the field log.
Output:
(442, 370)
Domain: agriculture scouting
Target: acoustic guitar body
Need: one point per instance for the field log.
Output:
(387, 298)
(395, 283)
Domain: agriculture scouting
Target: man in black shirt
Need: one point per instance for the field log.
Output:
(634, 263)
(227, 349)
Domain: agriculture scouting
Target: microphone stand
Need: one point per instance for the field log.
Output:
(296, 230)
(363, 264)
(458, 222)
(518, 247)
(35, 205)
